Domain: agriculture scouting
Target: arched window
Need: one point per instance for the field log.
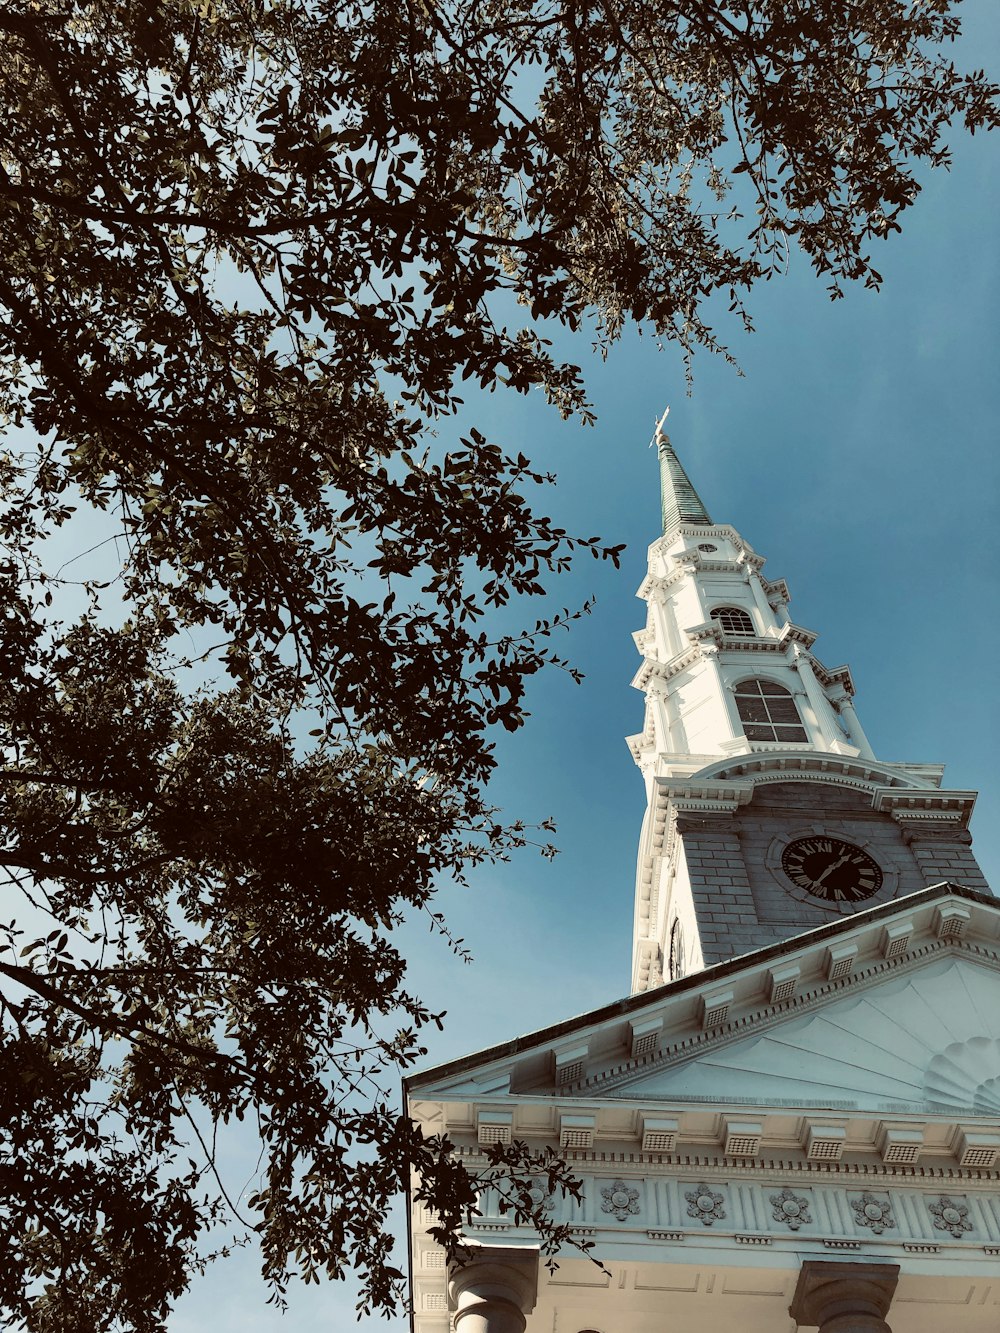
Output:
(768, 712)
(677, 964)
(734, 620)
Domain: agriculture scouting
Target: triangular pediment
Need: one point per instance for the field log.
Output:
(924, 1039)
(916, 1030)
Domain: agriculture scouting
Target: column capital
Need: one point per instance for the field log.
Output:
(844, 1297)
(494, 1290)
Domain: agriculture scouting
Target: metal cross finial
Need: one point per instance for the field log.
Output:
(660, 432)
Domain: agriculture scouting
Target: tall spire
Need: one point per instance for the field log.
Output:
(679, 501)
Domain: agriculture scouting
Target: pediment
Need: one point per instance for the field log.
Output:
(916, 1030)
(924, 1040)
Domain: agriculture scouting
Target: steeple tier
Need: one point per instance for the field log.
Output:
(714, 625)
(767, 810)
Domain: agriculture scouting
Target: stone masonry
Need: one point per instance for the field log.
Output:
(742, 898)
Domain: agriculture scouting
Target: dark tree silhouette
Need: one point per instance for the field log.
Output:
(250, 252)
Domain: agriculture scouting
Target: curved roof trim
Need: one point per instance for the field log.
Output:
(810, 766)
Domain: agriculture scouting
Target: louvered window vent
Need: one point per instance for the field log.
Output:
(840, 961)
(434, 1258)
(733, 620)
(901, 1152)
(570, 1065)
(435, 1301)
(979, 1157)
(896, 939)
(743, 1140)
(952, 922)
(494, 1127)
(768, 712)
(977, 1151)
(658, 1141)
(784, 983)
(645, 1043)
(659, 1135)
(576, 1131)
(825, 1143)
(494, 1134)
(716, 1008)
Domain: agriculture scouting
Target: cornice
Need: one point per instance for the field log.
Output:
(791, 633)
(748, 971)
(653, 669)
(815, 766)
(776, 592)
(710, 631)
(761, 1019)
(718, 1167)
(829, 677)
(723, 531)
(932, 806)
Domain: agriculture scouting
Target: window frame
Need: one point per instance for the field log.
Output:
(727, 609)
(771, 721)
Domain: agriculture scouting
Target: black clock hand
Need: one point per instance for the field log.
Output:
(846, 856)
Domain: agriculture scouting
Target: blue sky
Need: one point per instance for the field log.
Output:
(859, 455)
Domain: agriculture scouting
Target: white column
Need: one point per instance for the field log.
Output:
(661, 720)
(762, 604)
(818, 701)
(691, 564)
(844, 1297)
(710, 653)
(666, 642)
(780, 609)
(495, 1291)
(854, 728)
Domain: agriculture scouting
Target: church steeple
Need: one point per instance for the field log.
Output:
(766, 806)
(679, 501)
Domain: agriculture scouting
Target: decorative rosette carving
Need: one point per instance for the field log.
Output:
(542, 1198)
(870, 1211)
(705, 1205)
(790, 1208)
(950, 1215)
(620, 1199)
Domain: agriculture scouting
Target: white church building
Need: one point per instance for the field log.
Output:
(793, 1121)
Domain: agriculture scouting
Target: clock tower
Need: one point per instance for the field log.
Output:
(767, 811)
(793, 1120)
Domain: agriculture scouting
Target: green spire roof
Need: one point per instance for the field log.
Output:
(679, 501)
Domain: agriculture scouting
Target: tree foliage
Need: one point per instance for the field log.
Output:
(251, 251)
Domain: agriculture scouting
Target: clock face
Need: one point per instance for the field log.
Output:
(830, 869)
